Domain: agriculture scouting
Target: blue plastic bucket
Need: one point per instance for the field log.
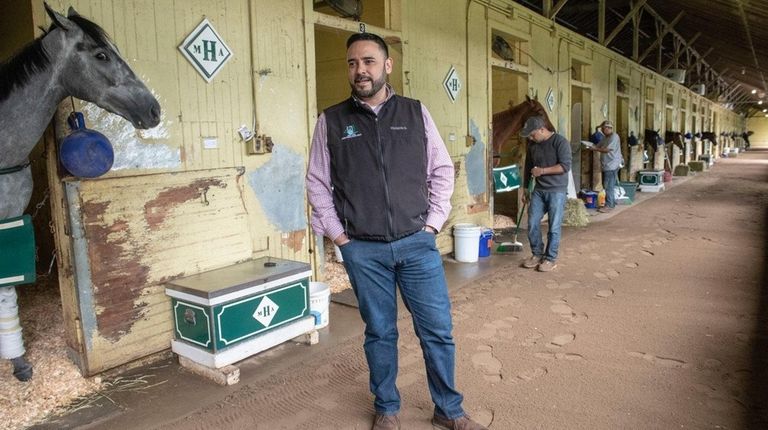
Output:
(590, 199)
(486, 242)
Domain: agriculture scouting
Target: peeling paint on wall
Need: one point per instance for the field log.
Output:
(158, 208)
(117, 273)
(279, 187)
(131, 149)
(294, 240)
(475, 163)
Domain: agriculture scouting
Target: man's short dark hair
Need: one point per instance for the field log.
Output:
(357, 37)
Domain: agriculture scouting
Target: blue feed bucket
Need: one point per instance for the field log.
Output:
(85, 153)
(486, 242)
(590, 199)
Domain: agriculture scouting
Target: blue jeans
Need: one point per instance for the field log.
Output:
(610, 179)
(413, 263)
(553, 204)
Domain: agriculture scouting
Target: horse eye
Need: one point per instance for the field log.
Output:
(102, 56)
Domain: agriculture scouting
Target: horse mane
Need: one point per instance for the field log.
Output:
(16, 71)
(32, 58)
(94, 31)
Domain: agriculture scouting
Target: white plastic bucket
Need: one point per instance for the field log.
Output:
(466, 242)
(319, 300)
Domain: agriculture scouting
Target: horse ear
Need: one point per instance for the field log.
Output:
(58, 19)
(527, 97)
(72, 12)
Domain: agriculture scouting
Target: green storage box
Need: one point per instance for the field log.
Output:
(228, 314)
(506, 178)
(629, 189)
(17, 251)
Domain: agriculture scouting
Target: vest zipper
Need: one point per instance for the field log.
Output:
(390, 227)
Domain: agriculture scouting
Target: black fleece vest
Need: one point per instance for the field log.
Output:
(378, 168)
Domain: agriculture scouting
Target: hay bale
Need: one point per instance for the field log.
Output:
(575, 213)
(682, 170)
(696, 166)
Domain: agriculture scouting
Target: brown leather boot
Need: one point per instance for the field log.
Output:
(460, 423)
(386, 422)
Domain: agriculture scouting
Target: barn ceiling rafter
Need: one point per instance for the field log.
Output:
(717, 43)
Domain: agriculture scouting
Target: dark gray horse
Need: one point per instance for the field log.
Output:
(75, 57)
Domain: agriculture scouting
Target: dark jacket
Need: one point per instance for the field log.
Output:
(378, 168)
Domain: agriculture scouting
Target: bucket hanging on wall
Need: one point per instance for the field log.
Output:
(85, 153)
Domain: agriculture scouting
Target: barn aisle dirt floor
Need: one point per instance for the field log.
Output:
(656, 318)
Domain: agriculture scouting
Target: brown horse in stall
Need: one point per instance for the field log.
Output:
(511, 121)
(675, 138)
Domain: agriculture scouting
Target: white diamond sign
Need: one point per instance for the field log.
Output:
(550, 99)
(206, 50)
(452, 84)
(265, 311)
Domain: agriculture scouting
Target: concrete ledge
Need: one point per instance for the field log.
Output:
(227, 375)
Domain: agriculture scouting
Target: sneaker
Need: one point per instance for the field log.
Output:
(460, 423)
(546, 266)
(532, 262)
(605, 209)
(386, 422)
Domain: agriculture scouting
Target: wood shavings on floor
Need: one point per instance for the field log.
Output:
(56, 381)
(503, 221)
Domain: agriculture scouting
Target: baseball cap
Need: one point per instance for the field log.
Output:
(531, 124)
(607, 123)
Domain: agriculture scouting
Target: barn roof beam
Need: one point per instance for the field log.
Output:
(701, 57)
(699, 60)
(678, 52)
(632, 13)
(744, 21)
(601, 22)
(550, 11)
(667, 28)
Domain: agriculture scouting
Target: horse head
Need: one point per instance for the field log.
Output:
(712, 137)
(94, 70)
(534, 108)
(511, 121)
(652, 138)
(674, 137)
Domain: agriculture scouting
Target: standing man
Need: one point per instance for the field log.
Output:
(609, 148)
(547, 162)
(380, 181)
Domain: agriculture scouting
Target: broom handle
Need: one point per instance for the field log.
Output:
(531, 184)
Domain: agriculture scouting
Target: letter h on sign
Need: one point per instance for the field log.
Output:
(205, 50)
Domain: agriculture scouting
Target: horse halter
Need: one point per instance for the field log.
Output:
(13, 169)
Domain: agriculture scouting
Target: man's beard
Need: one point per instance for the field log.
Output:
(376, 86)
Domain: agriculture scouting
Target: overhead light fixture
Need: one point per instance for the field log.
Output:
(754, 91)
(759, 102)
(765, 110)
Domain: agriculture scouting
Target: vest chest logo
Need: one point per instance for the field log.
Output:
(350, 131)
(398, 127)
